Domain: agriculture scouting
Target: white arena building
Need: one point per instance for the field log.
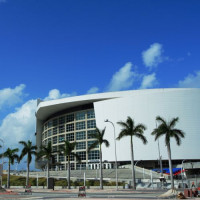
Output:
(75, 118)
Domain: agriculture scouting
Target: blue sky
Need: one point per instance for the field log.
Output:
(53, 49)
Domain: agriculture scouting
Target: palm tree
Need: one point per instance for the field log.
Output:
(67, 149)
(12, 156)
(46, 152)
(168, 130)
(130, 129)
(99, 136)
(28, 150)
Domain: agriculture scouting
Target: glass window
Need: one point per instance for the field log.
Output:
(90, 114)
(62, 167)
(80, 166)
(45, 133)
(61, 158)
(61, 129)
(54, 148)
(91, 124)
(91, 142)
(49, 132)
(45, 126)
(70, 118)
(55, 131)
(43, 136)
(71, 157)
(70, 137)
(61, 120)
(50, 123)
(61, 138)
(80, 125)
(55, 140)
(72, 166)
(55, 158)
(80, 145)
(55, 122)
(93, 155)
(49, 140)
(80, 115)
(82, 155)
(69, 127)
(80, 135)
(90, 134)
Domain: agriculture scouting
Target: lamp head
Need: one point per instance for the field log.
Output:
(106, 120)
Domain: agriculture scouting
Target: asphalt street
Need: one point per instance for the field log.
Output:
(90, 194)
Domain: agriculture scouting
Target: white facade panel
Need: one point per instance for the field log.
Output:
(143, 106)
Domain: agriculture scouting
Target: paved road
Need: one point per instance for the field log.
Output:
(90, 194)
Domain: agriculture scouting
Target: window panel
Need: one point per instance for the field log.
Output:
(54, 148)
(70, 137)
(49, 132)
(82, 155)
(90, 114)
(81, 145)
(80, 125)
(69, 127)
(55, 122)
(55, 140)
(93, 155)
(90, 133)
(61, 129)
(80, 135)
(55, 131)
(91, 142)
(61, 158)
(91, 124)
(61, 120)
(80, 115)
(50, 123)
(61, 138)
(70, 118)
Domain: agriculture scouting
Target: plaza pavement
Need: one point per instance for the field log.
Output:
(91, 194)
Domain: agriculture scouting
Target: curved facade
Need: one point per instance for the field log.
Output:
(75, 118)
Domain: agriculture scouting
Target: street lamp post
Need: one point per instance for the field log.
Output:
(115, 154)
(182, 172)
(2, 161)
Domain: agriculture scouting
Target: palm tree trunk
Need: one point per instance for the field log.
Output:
(47, 174)
(101, 170)
(27, 175)
(170, 166)
(8, 175)
(132, 164)
(68, 175)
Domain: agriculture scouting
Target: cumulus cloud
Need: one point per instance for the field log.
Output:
(122, 79)
(148, 81)
(191, 81)
(11, 96)
(19, 125)
(93, 90)
(55, 94)
(153, 55)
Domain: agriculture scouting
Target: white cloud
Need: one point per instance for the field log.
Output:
(19, 125)
(55, 94)
(123, 79)
(10, 97)
(93, 90)
(153, 56)
(191, 81)
(148, 81)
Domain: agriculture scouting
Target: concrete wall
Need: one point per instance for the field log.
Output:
(143, 106)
